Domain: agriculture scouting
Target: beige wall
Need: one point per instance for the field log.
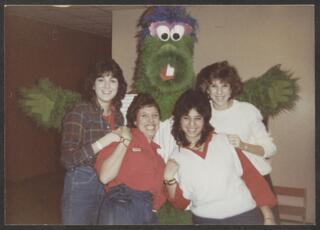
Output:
(254, 38)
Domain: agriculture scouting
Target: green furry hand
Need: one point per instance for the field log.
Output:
(46, 103)
(272, 93)
(38, 105)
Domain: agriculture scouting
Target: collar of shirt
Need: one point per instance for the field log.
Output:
(203, 153)
(99, 109)
(139, 140)
(117, 115)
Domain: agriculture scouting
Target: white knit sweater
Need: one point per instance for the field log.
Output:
(213, 184)
(245, 120)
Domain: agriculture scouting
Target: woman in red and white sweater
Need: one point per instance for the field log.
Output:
(205, 171)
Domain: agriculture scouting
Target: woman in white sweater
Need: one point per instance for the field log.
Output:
(240, 121)
(207, 168)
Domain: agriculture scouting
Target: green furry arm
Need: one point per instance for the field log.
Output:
(46, 103)
(272, 93)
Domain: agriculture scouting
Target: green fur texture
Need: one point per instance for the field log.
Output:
(272, 93)
(169, 215)
(46, 103)
(155, 54)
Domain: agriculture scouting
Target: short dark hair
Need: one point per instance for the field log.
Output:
(139, 101)
(191, 99)
(99, 69)
(222, 71)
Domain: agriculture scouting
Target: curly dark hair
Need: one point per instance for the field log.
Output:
(222, 71)
(100, 68)
(191, 99)
(140, 101)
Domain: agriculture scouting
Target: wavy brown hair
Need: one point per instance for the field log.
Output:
(139, 101)
(191, 99)
(100, 68)
(223, 72)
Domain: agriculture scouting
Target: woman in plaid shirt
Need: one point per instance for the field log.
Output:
(88, 128)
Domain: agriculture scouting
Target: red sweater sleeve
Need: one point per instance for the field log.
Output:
(179, 201)
(104, 154)
(256, 184)
(159, 198)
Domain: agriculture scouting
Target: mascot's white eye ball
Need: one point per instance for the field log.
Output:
(177, 32)
(163, 33)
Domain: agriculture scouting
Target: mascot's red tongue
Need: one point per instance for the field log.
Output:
(167, 72)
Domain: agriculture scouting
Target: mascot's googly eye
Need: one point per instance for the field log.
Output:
(163, 33)
(177, 32)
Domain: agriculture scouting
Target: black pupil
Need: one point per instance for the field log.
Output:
(176, 36)
(164, 36)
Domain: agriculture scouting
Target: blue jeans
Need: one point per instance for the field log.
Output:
(252, 217)
(125, 206)
(82, 196)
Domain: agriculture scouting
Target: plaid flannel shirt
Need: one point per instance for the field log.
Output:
(83, 126)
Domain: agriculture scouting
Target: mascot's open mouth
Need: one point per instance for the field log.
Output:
(167, 72)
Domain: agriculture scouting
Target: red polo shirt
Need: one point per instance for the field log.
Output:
(142, 168)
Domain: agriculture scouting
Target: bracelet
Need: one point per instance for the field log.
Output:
(170, 182)
(122, 140)
(124, 143)
(98, 145)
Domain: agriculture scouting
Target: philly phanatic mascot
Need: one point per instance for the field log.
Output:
(164, 69)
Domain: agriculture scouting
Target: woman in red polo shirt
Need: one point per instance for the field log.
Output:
(131, 169)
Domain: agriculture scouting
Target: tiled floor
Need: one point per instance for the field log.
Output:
(34, 201)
